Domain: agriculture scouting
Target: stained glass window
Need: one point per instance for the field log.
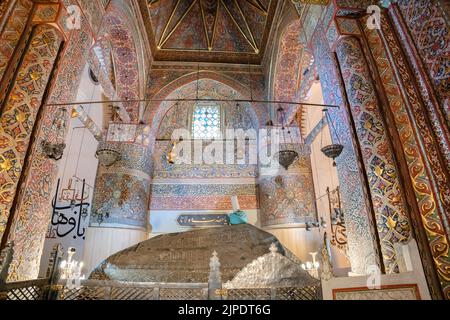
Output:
(206, 122)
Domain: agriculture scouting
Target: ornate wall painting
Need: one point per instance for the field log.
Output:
(332, 33)
(206, 196)
(309, 76)
(11, 32)
(209, 31)
(430, 33)
(178, 117)
(315, 2)
(419, 110)
(287, 75)
(311, 20)
(348, 26)
(390, 209)
(417, 157)
(288, 196)
(215, 87)
(294, 73)
(327, 15)
(94, 12)
(75, 52)
(119, 132)
(420, 68)
(164, 170)
(353, 4)
(229, 83)
(289, 202)
(3, 8)
(205, 202)
(45, 13)
(123, 41)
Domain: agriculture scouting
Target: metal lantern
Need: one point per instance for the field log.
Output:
(333, 151)
(53, 150)
(286, 157)
(107, 154)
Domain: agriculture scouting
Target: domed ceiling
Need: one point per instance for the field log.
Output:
(233, 31)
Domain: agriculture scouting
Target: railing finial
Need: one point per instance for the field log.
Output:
(326, 272)
(215, 277)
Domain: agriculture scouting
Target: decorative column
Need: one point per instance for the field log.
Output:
(31, 126)
(424, 34)
(3, 9)
(119, 215)
(425, 178)
(20, 112)
(377, 153)
(14, 32)
(424, 28)
(319, 30)
(215, 278)
(363, 250)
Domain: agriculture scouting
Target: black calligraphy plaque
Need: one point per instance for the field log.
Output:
(202, 220)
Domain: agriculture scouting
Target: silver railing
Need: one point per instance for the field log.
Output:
(54, 288)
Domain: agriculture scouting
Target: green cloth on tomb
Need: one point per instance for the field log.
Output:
(238, 217)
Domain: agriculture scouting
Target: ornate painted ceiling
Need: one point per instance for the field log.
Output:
(231, 31)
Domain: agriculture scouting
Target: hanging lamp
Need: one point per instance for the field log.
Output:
(286, 156)
(333, 150)
(55, 150)
(107, 153)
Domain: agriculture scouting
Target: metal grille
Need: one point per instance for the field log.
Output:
(133, 294)
(99, 290)
(206, 122)
(26, 293)
(183, 294)
(305, 293)
(248, 294)
(84, 293)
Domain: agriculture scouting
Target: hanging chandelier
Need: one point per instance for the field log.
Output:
(55, 149)
(286, 156)
(333, 150)
(107, 154)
